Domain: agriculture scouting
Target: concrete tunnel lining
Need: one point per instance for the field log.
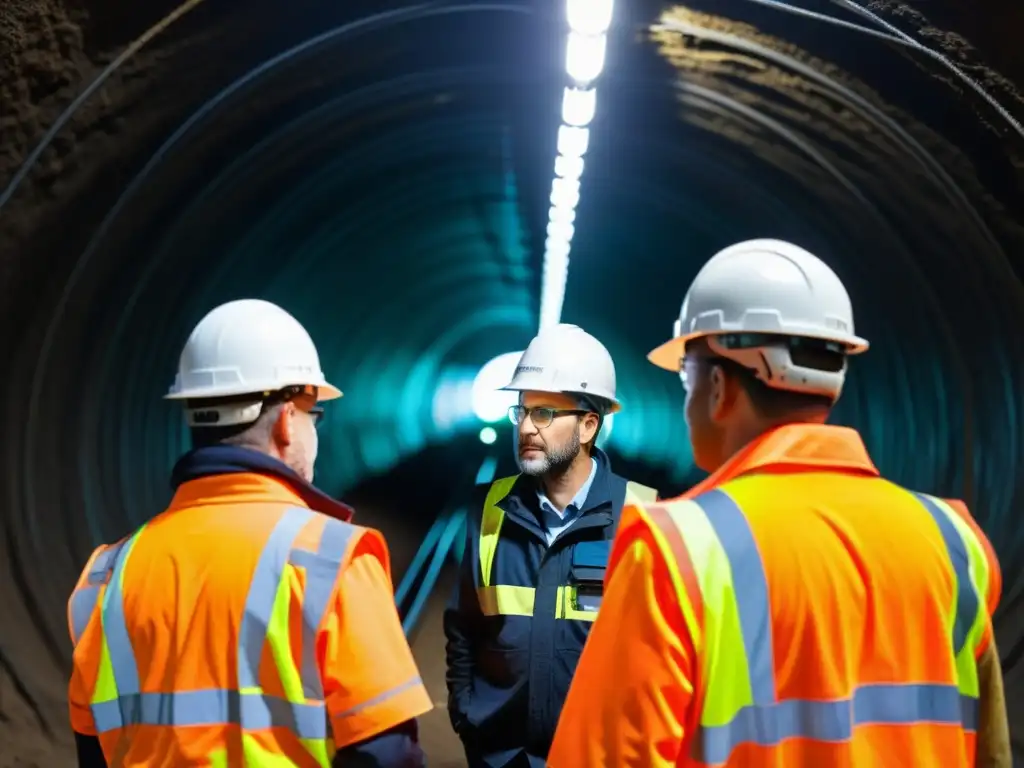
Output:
(412, 251)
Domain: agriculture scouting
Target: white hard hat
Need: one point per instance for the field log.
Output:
(762, 294)
(247, 347)
(565, 358)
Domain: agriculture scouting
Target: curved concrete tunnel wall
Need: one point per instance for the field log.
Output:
(387, 184)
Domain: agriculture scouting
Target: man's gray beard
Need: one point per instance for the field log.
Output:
(553, 462)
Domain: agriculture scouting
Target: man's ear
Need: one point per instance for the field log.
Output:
(721, 394)
(589, 423)
(284, 425)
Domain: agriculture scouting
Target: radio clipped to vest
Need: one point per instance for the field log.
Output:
(590, 562)
(586, 577)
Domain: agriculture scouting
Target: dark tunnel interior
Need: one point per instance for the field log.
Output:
(382, 171)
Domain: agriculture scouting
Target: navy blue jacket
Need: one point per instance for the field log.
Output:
(508, 675)
(397, 747)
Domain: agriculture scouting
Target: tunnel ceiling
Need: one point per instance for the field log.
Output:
(382, 171)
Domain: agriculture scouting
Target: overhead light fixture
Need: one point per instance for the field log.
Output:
(579, 106)
(557, 213)
(584, 56)
(565, 193)
(572, 141)
(556, 246)
(586, 48)
(589, 17)
(561, 231)
(568, 167)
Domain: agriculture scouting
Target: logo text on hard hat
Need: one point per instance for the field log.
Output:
(529, 369)
(205, 417)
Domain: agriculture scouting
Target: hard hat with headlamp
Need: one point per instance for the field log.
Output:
(239, 356)
(755, 303)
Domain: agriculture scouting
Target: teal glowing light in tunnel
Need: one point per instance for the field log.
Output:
(490, 402)
(488, 436)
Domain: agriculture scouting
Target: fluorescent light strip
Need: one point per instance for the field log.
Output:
(589, 21)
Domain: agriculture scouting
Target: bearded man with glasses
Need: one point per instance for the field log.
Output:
(538, 544)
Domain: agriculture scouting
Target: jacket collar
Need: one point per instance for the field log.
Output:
(579, 501)
(805, 447)
(226, 474)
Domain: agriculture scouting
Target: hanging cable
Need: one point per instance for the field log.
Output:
(896, 36)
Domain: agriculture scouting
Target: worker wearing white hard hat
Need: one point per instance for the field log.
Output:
(519, 621)
(566, 385)
(250, 376)
(248, 558)
(772, 319)
(787, 579)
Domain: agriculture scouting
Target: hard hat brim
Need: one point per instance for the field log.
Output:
(614, 406)
(325, 391)
(669, 354)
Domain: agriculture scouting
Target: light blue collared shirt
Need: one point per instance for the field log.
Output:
(554, 522)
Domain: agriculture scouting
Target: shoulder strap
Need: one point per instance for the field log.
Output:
(85, 597)
(995, 576)
(640, 494)
(970, 565)
(634, 493)
(490, 524)
(498, 491)
(322, 568)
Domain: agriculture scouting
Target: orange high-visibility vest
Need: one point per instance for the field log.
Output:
(201, 638)
(801, 611)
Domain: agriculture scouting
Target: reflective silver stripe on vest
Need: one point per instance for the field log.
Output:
(373, 701)
(966, 598)
(212, 706)
(321, 574)
(115, 630)
(751, 588)
(768, 721)
(83, 600)
(834, 721)
(259, 604)
(251, 709)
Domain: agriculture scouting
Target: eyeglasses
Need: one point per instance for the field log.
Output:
(316, 414)
(305, 399)
(541, 417)
(693, 363)
(307, 404)
(684, 375)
